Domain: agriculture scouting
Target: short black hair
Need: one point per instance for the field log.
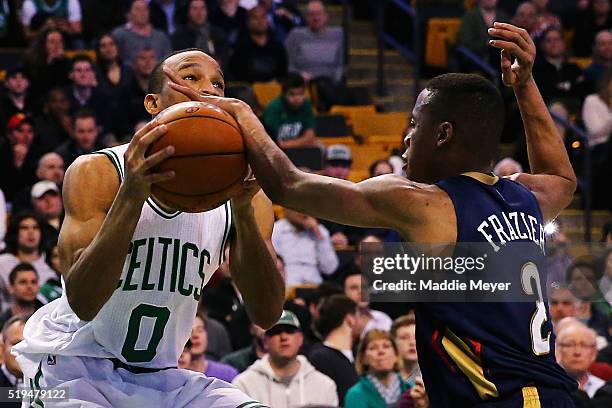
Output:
(474, 106)
(85, 113)
(332, 312)
(80, 58)
(21, 267)
(156, 80)
(292, 81)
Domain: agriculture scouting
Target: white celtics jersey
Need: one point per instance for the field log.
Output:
(148, 319)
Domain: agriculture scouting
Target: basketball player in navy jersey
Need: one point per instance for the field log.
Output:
(471, 355)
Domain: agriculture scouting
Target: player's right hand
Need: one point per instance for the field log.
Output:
(514, 41)
(139, 174)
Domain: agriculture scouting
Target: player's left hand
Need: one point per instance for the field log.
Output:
(250, 187)
(514, 42)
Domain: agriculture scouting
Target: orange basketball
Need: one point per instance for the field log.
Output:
(208, 161)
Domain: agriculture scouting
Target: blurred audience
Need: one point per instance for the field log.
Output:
(306, 248)
(283, 15)
(526, 16)
(367, 318)
(228, 15)
(289, 118)
(282, 378)
(46, 64)
(403, 333)
(55, 122)
(199, 361)
(334, 355)
(84, 138)
(588, 23)
(10, 372)
(47, 206)
(380, 167)
(258, 55)
(601, 58)
(40, 15)
(241, 359)
(380, 382)
(474, 25)
(139, 33)
(23, 287)
(50, 168)
(16, 97)
(507, 167)
(545, 19)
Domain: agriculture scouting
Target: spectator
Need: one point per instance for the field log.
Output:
(282, 378)
(367, 319)
(589, 22)
(597, 117)
(24, 243)
(47, 205)
(3, 217)
(380, 384)
(334, 356)
(403, 333)
(316, 50)
(306, 248)
(199, 33)
(114, 79)
(507, 167)
(143, 67)
(545, 18)
(10, 372)
(83, 92)
(139, 33)
(474, 25)
(605, 284)
(55, 123)
(16, 98)
(164, 14)
(18, 157)
(258, 55)
(23, 287)
(380, 167)
(47, 65)
(230, 17)
(11, 30)
(558, 256)
(84, 138)
(594, 310)
(52, 289)
(39, 15)
(243, 358)
(576, 352)
(185, 357)
(562, 303)
(556, 77)
(289, 118)
(602, 58)
(526, 16)
(283, 17)
(199, 345)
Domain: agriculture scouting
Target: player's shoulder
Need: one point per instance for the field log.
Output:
(393, 182)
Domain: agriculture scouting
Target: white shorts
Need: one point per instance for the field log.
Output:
(95, 383)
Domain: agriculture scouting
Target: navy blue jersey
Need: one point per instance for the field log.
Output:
(475, 352)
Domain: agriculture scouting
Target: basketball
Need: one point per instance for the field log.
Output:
(208, 162)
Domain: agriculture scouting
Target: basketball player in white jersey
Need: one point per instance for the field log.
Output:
(133, 272)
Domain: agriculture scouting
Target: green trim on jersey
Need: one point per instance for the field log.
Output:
(114, 159)
(160, 211)
(225, 232)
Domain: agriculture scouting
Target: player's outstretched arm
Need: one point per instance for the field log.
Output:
(253, 260)
(552, 178)
(101, 216)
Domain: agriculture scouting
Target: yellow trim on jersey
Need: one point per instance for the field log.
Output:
(469, 364)
(531, 399)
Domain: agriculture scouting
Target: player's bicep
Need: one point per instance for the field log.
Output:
(90, 186)
(553, 193)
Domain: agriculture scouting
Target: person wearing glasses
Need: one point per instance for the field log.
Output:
(576, 351)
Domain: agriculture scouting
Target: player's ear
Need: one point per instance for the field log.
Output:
(445, 133)
(152, 104)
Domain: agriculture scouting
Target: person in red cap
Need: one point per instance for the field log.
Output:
(17, 157)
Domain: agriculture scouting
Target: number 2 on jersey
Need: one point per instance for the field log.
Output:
(161, 316)
(529, 274)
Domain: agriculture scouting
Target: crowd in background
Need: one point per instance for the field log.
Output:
(331, 347)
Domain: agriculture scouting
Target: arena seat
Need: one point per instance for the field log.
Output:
(349, 112)
(583, 63)
(311, 157)
(391, 123)
(266, 91)
(441, 33)
(331, 126)
(346, 140)
(73, 53)
(364, 155)
(358, 175)
(388, 142)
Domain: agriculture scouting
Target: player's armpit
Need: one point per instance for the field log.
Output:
(90, 186)
(554, 193)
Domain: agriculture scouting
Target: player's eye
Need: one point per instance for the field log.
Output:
(219, 85)
(190, 78)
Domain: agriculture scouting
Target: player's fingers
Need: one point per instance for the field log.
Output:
(143, 144)
(158, 157)
(521, 31)
(512, 48)
(145, 129)
(157, 177)
(509, 36)
(173, 76)
(187, 91)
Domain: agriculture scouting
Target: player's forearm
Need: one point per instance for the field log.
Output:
(545, 148)
(254, 271)
(93, 277)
